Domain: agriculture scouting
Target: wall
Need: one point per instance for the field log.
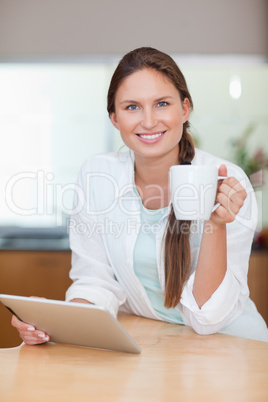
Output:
(62, 28)
(58, 29)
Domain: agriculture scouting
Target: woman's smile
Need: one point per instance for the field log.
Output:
(151, 138)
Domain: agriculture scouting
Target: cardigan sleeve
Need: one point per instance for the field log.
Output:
(92, 275)
(229, 299)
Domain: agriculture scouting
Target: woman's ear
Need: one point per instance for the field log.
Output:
(186, 109)
(114, 120)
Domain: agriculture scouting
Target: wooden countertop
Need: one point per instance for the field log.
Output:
(175, 364)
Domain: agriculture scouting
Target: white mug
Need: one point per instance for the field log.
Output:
(193, 191)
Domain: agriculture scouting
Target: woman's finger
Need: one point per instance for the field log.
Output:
(32, 340)
(222, 215)
(232, 205)
(20, 325)
(28, 333)
(36, 337)
(231, 186)
(222, 170)
(231, 195)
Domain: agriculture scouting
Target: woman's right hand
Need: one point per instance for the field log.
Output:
(28, 333)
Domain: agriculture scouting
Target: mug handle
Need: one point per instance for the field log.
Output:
(218, 203)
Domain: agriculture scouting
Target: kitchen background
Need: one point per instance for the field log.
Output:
(56, 60)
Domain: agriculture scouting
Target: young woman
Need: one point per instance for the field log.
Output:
(128, 250)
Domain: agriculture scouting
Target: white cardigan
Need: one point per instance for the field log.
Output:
(103, 231)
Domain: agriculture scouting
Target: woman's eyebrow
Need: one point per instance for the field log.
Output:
(155, 100)
(128, 101)
(164, 98)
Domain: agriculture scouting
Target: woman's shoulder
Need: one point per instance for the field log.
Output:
(207, 159)
(109, 162)
(102, 176)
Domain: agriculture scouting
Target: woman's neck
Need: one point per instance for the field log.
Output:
(150, 171)
(152, 180)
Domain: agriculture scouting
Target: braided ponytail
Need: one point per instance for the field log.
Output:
(177, 253)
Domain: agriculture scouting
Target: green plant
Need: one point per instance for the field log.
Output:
(250, 162)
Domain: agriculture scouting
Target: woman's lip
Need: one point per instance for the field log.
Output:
(148, 140)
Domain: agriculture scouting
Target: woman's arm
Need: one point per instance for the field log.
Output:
(206, 311)
(92, 273)
(93, 277)
(212, 261)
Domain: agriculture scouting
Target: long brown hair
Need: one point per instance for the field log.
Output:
(177, 253)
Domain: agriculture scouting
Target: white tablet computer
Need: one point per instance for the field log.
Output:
(73, 323)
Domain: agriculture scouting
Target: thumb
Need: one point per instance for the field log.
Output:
(222, 170)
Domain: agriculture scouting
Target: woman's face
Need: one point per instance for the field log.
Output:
(149, 114)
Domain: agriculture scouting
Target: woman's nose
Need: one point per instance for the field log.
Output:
(149, 119)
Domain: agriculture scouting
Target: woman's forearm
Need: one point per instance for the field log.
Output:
(81, 301)
(212, 262)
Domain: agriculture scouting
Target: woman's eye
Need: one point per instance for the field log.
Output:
(132, 107)
(162, 104)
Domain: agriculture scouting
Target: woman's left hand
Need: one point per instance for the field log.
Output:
(231, 195)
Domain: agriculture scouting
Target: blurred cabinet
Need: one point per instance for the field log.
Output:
(31, 273)
(258, 281)
(46, 273)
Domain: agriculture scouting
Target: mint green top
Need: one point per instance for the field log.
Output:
(145, 265)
